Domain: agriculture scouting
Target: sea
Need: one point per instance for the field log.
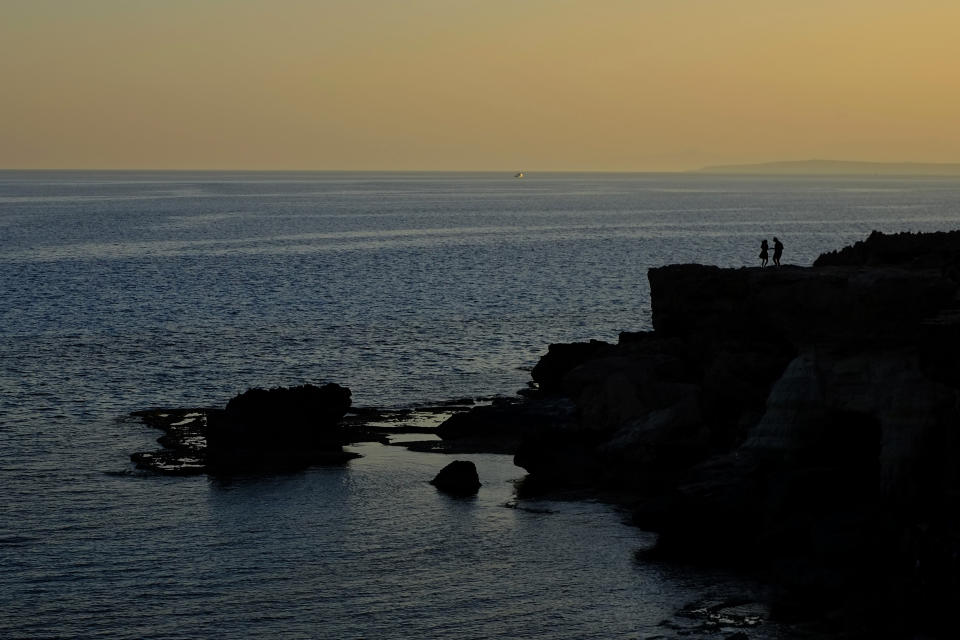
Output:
(123, 291)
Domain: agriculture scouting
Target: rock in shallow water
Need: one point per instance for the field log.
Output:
(260, 429)
(281, 427)
(458, 478)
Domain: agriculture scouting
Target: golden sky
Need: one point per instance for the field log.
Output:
(537, 85)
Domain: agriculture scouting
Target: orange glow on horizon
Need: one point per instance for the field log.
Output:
(469, 85)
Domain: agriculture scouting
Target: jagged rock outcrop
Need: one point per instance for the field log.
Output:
(260, 429)
(802, 421)
(936, 250)
(280, 427)
(560, 359)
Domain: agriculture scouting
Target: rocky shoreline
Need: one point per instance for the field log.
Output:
(800, 423)
(185, 437)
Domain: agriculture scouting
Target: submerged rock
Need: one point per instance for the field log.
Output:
(458, 478)
(184, 440)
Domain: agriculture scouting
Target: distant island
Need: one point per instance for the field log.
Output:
(838, 167)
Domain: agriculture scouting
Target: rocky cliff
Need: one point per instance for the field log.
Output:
(803, 422)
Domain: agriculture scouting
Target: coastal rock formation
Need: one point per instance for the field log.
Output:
(185, 430)
(458, 478)
(500, 426)
(560, 359)
(937, 250)
(280, 428)
(804, 422)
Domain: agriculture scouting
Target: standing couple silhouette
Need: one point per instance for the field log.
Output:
(777, 251)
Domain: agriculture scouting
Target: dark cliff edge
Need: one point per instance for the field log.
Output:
(800, 423)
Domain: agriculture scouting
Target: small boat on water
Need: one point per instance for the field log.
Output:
(519, 174)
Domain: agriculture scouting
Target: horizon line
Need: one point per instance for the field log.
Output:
(737, 167)
(503, 171)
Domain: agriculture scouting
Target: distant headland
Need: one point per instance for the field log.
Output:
(838, 167)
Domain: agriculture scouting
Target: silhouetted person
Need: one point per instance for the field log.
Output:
(777, 250)
(763, 252)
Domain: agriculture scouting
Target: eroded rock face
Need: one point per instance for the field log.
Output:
(844, 306)
(805, 421)
(658, 402)
(560, 359)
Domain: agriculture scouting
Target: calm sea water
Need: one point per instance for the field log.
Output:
(122, 291)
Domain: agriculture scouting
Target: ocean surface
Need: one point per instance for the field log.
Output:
(121, 291)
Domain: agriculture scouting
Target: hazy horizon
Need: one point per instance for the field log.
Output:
(428, 85)
(778, 167)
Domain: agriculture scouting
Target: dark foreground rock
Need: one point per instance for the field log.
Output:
(500, 427)
(799, 422)
(260, 429)
(285, 427)
(937, 250)
(250, 433)
(458, 478)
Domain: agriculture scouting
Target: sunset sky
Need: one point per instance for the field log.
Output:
(475, 84)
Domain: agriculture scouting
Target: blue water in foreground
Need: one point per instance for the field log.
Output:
(123, 291)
